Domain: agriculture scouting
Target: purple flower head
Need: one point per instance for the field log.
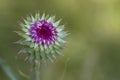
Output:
(42, 37)
(43, 33)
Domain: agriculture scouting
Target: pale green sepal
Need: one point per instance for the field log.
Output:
(49, 57)
(32, 45)
(33, 19)
(61, 40)
(60, 28)
(27, 23)
(24, 29)
(43, 16)
(57, 23)
(46, 17)
(41, 48)
(37, 16)
(58, 44)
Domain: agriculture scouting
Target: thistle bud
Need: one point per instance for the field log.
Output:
(43, 37)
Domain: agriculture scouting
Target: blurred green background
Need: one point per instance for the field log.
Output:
(93, 48)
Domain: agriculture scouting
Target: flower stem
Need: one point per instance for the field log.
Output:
(36, 65)
(38, 71)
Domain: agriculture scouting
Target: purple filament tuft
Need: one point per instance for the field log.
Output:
(43, 32)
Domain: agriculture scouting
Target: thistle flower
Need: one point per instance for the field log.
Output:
(43, 37)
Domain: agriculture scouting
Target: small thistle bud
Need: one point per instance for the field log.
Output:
(42, 37)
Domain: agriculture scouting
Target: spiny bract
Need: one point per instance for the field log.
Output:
(42, 37)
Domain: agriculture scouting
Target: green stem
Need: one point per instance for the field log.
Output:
(38, 71)
(36, 65)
